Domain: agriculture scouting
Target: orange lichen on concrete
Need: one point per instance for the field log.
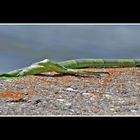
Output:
(93, 92)
(23, 83)
(120, 85)
(137, 74)
(11, 94)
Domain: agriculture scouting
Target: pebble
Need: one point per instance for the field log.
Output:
(138, 84)
(112, 109)
(60, 100)
(70, 89)
(86, 93)
(133, 111)
(68, 104)
(108, 96)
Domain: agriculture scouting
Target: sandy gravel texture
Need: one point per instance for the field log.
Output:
(53, 94)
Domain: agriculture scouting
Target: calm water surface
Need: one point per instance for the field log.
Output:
(21, 45)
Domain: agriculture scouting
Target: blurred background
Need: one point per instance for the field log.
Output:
(22, 45)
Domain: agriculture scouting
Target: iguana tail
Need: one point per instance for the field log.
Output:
(83, 63)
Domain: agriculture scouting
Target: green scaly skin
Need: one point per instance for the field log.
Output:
(70, 67)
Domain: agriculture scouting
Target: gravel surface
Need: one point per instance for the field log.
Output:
(57, 94)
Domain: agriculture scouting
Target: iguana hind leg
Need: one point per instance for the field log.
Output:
(78, 71)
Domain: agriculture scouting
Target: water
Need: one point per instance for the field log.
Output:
(21, 45)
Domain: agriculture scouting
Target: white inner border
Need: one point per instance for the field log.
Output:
(70, 24)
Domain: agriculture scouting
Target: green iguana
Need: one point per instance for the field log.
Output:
(70, 67)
